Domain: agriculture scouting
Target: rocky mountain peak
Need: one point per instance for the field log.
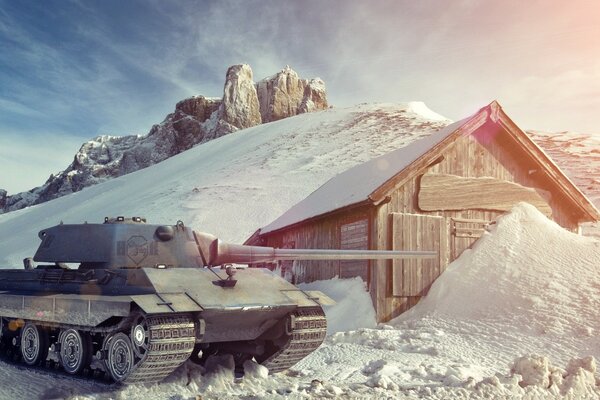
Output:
(195, 120)
(199, 107)
(286, 94)
(240, 101)
(3, 194)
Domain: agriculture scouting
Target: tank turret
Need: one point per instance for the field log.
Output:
(133, 301)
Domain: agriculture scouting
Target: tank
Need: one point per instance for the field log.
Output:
(132, 301)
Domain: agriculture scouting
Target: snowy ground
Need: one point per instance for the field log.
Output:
(515, 317)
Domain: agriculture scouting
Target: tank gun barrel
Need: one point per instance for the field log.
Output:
(216, 252)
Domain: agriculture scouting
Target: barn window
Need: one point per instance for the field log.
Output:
(354, 235)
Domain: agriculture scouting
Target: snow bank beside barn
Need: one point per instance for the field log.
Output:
(353, 309)
(527, 273)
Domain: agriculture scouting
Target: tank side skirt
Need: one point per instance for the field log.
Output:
(64, 309)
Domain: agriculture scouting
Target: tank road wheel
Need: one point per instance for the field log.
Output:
(34, 344)
(140, 336)
(119, 358)
(75, 350)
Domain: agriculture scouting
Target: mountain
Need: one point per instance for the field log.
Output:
(578, 155)
(195, 120)
(236, 183)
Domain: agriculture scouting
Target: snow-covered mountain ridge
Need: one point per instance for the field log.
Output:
(578, 155)
(195, 120)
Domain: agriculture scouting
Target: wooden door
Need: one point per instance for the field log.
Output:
(413, 277)
(463, 233)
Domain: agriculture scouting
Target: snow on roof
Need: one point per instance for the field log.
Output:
(354, 185)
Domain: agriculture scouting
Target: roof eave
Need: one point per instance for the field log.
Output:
(367, 202)
(570, 189)
(431, 157)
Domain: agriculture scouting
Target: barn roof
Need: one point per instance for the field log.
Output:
(370, 182)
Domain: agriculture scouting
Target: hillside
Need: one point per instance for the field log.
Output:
(195, 120)
(578, 155)
(232, 185)
(513, 318)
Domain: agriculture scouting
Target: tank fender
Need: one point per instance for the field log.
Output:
(166, 303)
(308, 298)
(320, 297)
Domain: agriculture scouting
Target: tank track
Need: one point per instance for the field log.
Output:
(171, 342)
(308, 328)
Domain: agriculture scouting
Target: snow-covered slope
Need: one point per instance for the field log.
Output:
(578, 155)
(234, 184)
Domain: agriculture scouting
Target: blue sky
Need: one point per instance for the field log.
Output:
(71, 70)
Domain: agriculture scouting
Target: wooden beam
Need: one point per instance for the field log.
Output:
(413, 277)
(441, 192)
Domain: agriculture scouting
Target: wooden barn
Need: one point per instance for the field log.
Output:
(437, 193)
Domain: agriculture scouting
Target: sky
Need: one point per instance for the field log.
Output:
(71, 69)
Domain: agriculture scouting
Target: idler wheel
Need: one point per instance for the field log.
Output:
(34, 344)
(75, 350)
(119, 357)
(140, 336)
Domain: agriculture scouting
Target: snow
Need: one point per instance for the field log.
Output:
(418, 107)
(351, 299)
(232, 185)
(514, 317)
(578, 155)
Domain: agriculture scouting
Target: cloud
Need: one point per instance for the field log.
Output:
(542, 102)
(27, 161)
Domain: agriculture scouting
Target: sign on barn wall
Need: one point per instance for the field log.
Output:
(355, 236)
(440, 192)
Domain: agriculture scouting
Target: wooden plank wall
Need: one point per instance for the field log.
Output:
(354, 235)
(416, 232)
(487, 153)
(323, 234)
(463, 233)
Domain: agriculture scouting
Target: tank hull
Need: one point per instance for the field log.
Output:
(184, 314)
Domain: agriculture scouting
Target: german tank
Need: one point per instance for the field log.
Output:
(133, 301)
